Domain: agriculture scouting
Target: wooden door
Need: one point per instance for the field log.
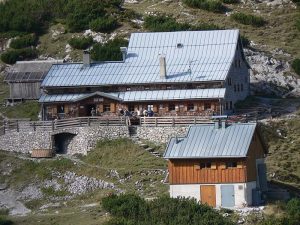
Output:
(208, 195)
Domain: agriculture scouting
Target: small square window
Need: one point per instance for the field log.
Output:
(190, 107)
(106, 108)
(131, 108)
(206, 165)
(207, 105)
(231, 164)
(171, 107)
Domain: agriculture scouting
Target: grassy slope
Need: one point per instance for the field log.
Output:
(120, 155)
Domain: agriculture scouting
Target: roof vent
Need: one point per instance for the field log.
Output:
(162, 67)
(179, 45)
(86, 58)
(220, 121)
(124, 52)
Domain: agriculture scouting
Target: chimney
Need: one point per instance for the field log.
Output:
(86, 58)
(124, 52)
(223, 124)
(162, 67)
(216, 124)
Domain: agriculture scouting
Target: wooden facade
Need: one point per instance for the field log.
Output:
(229, 170)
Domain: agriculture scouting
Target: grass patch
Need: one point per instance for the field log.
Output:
(28, 109)
(209, 5)
(50, 192)
(296, 66)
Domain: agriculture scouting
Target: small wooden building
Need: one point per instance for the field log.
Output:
(218, 164)
(25, 78)
(188, 73)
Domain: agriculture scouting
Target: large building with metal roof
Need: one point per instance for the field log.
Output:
(219, 164)
(170, 73)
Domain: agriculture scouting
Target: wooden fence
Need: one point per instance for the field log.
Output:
(173, 121)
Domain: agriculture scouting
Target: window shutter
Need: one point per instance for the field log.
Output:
(167, 108)
(197, 166)
(240, 165)
(222, 165)
(66, 109)
(155, 108)
(112, 107)
(101, 108)
(213, 165)
(54, 110)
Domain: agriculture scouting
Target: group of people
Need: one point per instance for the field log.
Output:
(138, 113)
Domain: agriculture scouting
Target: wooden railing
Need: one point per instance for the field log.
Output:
(173, 121)
(53, 125)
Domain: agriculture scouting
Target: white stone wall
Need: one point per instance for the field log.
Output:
(238, 75)
(160, 134)
(243, 192)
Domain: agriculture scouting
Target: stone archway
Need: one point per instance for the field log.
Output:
(61, 142)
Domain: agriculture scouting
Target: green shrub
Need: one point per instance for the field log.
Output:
(109, 51)
(81, 42)
(11, 56)
(231, 1)
(209, 5)
(131, 209)
(24, 41)
(4, 221)
(298, 24)
(81, 13)
(164, 23)
(248, 19)
(296, 66)
(104, 24)
(293, 211)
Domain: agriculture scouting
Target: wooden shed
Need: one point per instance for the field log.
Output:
(25, 78)
(218, 164)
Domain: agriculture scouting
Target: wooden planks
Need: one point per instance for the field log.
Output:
(188, 172)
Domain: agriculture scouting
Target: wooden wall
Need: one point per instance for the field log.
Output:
(256, 151)
(25, 90)
(187, 171)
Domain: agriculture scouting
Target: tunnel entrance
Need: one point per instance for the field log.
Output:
(61, 142)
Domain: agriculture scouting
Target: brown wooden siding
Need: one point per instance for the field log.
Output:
(187, 171)
(256, 151)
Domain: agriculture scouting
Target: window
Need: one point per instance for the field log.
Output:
(179, 45)
(150, 107)
(229, 81)
(230, 107)
(190, 107)
(60, 109)
(128, 89)
(171, 107)
(88, 89)
(106, 108)
(131, 108)
(238, 87)
(234, 87)
(242, 87)
(226, 106)
(207, 105)
(206, 165)
(231, 164)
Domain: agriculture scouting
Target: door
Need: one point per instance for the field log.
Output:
(227, 196)
(262, 177)
(208, 195)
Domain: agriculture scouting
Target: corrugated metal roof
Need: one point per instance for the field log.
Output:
(131, 96)
(206, 141)
(29, 71)
(204, 56)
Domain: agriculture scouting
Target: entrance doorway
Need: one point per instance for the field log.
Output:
(227, 196)
(88, 109)
(208, 195)
(61, 142)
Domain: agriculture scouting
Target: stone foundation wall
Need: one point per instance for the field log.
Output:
(160, 134)
(85, 137)
(24, 142)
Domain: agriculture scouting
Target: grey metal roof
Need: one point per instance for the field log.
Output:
(206, 141)
(204, 56)
(131, 96)
(28, 71)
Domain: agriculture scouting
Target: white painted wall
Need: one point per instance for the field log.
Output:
(243, 192)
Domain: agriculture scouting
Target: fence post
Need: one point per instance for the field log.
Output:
(195, 120)
(52, 125)
(34, 128)
(155, 121)
(107, 122)
(17, 126)
(80, 124)
(89, 121)
(173, 122)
